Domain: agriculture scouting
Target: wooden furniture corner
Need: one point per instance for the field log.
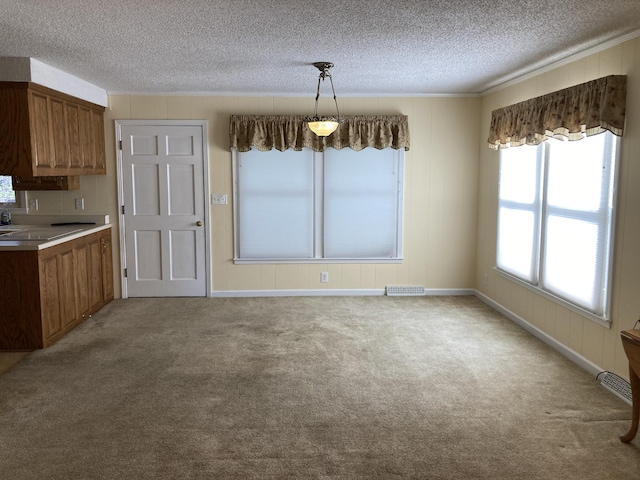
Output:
(631, 344)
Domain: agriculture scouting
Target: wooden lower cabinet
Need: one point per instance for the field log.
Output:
(50, 291)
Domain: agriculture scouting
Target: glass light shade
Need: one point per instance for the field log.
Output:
(323, 128)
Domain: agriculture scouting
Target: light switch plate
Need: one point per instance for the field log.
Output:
(218, 199)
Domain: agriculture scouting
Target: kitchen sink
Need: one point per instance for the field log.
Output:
(6, 231)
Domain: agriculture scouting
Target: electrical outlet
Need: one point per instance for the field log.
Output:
(485, 279)
(218, 199)
(324, 277)
(79, 203)
(33, 204)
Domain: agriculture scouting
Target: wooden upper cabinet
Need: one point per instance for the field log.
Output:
(47, 133)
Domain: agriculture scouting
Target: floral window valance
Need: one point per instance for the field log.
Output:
(585, 109)
(282, 132)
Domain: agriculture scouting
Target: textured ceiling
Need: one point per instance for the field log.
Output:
(379, 47)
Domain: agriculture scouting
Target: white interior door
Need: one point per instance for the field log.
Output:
(163, 189)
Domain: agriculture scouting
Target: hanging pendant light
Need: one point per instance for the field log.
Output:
(324, 126)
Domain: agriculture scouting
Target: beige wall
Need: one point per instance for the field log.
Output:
(596, 343)
(450, 203)
(441, 171)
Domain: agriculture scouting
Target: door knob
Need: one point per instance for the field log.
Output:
(198, 223)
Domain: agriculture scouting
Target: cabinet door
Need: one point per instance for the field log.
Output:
(95, 273)
(97, 122)
(40, 123)
(58, 293)
(87, 139)
(83, 260)
(59, 133)
(74, 132)
(67, 287)
(107, 268)
(50, 297)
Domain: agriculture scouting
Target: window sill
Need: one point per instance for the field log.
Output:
(605, 322)
(15, 210)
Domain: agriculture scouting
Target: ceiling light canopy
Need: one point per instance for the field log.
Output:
(324, 126)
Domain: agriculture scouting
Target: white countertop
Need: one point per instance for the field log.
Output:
(40, 225)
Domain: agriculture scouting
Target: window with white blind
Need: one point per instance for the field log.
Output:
(305, 206)
(555, 218)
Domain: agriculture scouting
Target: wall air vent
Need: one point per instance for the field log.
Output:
(616, 385)
(404, 291)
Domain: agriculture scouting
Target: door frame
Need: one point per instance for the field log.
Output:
(205, 172)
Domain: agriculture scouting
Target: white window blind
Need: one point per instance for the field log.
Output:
(519, 211)
(578, 219)
(360, 203)
(555, 218)
(340, 205)
(275, 204)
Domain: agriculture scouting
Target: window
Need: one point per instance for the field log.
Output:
(555, 218)
(338, 205)
(15, 201)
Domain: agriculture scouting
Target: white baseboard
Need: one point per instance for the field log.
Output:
(572, 355)
(448, 292)
(325, 292)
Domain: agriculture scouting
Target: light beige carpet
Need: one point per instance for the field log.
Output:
(327, 388)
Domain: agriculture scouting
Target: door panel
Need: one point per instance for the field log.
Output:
(163, 189)
(183, 263)
(148, 255)
(146, 196)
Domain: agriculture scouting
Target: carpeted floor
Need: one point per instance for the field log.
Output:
(316, 387)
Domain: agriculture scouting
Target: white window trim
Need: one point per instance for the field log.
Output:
(20, 205)
(604, 320)
(318, 221)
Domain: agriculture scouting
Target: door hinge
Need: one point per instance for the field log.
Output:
(125, 272)
(120, 144)
(122, 209)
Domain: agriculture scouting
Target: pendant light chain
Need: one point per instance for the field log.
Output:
(326, 126)
(323, 74)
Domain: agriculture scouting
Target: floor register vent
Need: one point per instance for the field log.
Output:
(616, 385)
(404, 291)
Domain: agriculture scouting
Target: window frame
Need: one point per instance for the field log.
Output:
(540, 251)
(318, 213)
(20, 205)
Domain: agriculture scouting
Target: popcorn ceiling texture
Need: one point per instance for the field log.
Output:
(267, 47)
